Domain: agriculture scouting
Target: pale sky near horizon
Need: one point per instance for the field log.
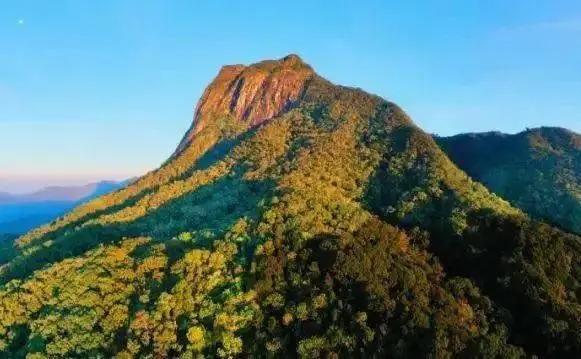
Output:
(94, 90)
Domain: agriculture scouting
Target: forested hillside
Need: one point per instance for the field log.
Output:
(538, 170)
(295, 218)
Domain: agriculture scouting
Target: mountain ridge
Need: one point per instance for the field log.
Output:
(62, 193)
(538, 169)
(21, 212)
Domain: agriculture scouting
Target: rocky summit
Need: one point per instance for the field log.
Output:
(251, 94)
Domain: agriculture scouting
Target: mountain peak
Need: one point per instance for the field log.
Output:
(289, 62)
(251, 94)
(292, 59)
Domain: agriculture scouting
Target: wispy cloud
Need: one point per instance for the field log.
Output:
(570, 25)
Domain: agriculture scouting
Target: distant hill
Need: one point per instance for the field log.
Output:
(62, 193)
(22, 212)
(537, 170)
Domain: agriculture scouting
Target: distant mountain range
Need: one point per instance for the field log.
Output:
(22, 212)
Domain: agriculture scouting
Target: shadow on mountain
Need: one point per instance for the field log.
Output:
(213, 208)
(514, 261)
(214, 154)
(218, 152)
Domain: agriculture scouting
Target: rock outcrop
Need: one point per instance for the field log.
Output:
(252, 94)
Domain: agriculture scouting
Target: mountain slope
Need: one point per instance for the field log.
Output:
(538, 170)
(295, 218)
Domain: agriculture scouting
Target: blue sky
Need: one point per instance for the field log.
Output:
(105, 89)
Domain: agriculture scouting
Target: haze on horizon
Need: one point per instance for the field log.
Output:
(105, 90)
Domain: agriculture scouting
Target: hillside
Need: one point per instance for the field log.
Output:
(20, 213)
(295, 218)
(538, 170)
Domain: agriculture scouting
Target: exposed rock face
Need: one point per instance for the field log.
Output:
(252, 94)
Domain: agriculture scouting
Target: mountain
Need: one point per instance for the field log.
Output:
(22, 212)
(538, 170)
(7, 250)
(296, 218)
(63, 193)
(19, 218)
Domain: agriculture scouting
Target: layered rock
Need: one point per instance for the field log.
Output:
(251, 94)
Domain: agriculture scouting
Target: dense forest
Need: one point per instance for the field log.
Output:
(538, 170)
(297, 218)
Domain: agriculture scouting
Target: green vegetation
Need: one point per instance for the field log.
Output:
(338, 229)
(7, 250)
(538, 170)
